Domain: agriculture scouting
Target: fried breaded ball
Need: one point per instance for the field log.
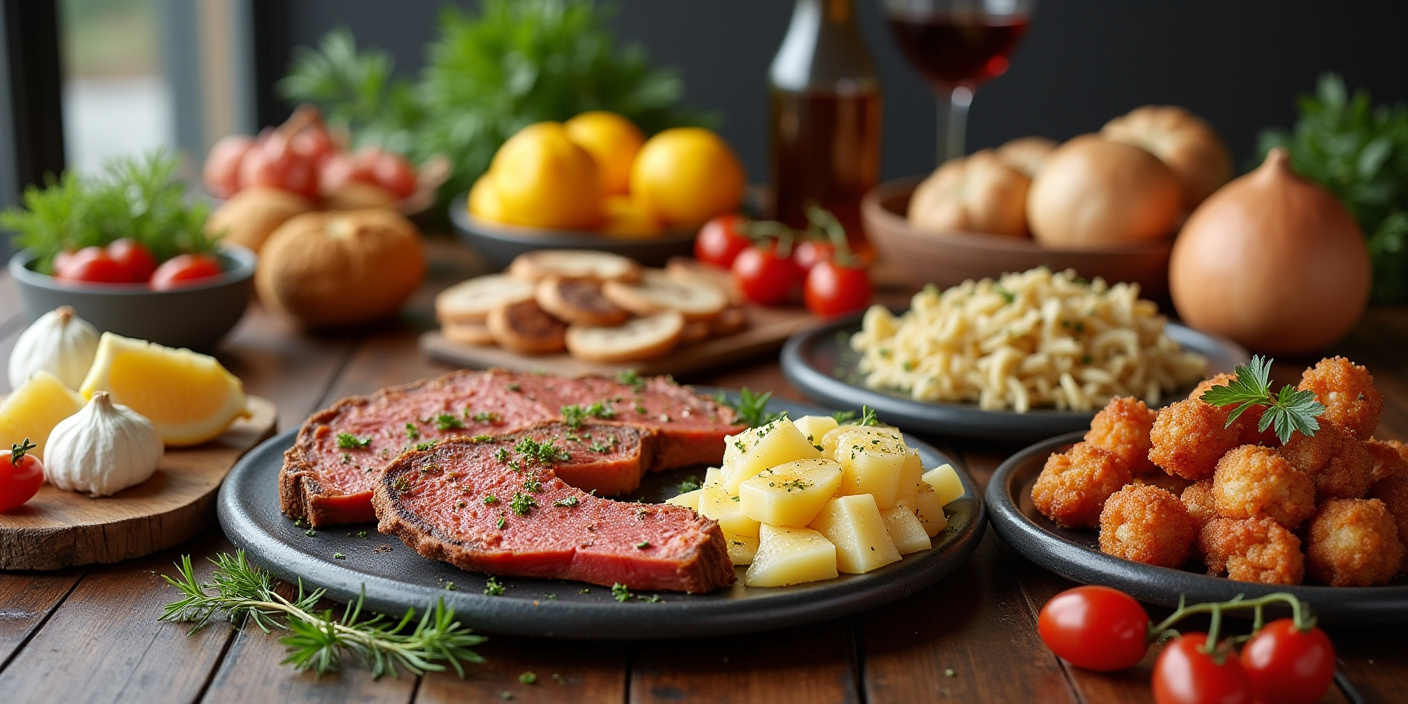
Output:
(1390, 458)
(1246, 423)
(1198, 499)
(1339, 464)
(1189, 437)
(1348, 394)
(1252, 550)
(1253, 481)
(1353, 543)
(1122, 427)
(1167, 482)
(1147, 524)
(1074, 484)
(1393, 491)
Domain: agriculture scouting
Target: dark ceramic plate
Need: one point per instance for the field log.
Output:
(1075, 555)
(821, 363)
(398, 579)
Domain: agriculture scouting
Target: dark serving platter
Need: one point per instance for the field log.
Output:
(820, 362)
(1075, 555)
(397, 579)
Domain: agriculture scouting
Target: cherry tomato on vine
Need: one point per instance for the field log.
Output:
(20, 476)
(721, 239)
(1095, 628)
(764, 276)
(1287, 665)
(832, 288)
(1184, 674)
(90, 265)
(134, 258)
(184, 270)
(809, 253)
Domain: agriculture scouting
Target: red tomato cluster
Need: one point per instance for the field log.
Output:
(1099, 628)
(126, 261)
(301, 156)
(771, 271)
(20, 476)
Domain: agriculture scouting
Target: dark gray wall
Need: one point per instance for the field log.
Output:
(1238, 63)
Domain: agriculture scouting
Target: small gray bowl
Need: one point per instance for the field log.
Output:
(194, 316)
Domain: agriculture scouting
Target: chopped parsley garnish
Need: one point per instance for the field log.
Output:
(797, 484)
(575, 415)
(600, 446)
(690, 483)
(752, 408)
(490, 500)
(450, 587)
(479, 439)
(620, 592)
(338, 556)
(492, 587)
(400, 484)
(528, 678)
(483, 416)
(501, 455)
(522, 503)
(412, 431)
(532, 484)
(348, 441)
(569, 502)
(631, 378)
(1288, 411)
(643, 545)
(500, 524)
(422, 447)
(445, 421)
(544, 452)
(513, 387)
(844, 417)
(310, 532)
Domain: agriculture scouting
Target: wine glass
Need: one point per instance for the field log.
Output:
(957, 45)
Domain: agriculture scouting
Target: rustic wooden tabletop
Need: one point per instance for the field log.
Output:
(91, 634)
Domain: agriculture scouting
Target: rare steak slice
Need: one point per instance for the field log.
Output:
(499, 506)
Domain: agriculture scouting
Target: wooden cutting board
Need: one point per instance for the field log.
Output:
(60, 528)
(767, 329)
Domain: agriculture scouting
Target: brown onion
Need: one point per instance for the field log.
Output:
(1272, 261)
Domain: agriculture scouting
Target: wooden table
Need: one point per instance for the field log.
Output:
(91, 634)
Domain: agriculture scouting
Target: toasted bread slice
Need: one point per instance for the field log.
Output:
(640, 338)
(687, 270)
(733, 320)
(524, 327)
(579, 302)
(476, 334)
(574, 264)
(657, 292)
(696, 331)
(470, 301)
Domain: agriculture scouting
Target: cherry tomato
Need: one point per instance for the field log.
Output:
(809, 253)
(763, 276)
(1184, 674)
(90, 265)
(392, 172)
(836, 289)
(313, 143)
(20, 476)
(136, 259)
(273, 163)
(721, 239)
(1095, 628)
(222, 165)
(1287, 665)
(184, 270)
(338, 170)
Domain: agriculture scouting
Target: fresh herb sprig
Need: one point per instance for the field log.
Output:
(752, 407)
(1288, 410)
(317, 641)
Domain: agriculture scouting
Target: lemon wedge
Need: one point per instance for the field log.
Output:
(34, 409)
(189, 397)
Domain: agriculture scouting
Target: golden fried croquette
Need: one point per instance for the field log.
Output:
(1339, 464)
(1074, 484)
(1390, 458)
(1198, 499)
(1147, 524)
(1348, 394)
(1393, 491)
(1252, 550)
(1167, 482)
(1353, 543)
(1122, 427)
(1189, 437)
(1253, 481)
(1246, 423)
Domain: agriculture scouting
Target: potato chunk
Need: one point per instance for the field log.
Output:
(815, 427)
(945, 482)
(854, 525)
(790, 494)
(689, 499)
(905, 529)
(741, 548)
(929, 510)
(832, 438)
(790, 556)
(757, 449)
(876, 464)
(715, 503)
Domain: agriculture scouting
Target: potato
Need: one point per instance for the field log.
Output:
(876, 464)
(945, 482)
(905, 529)
(854, 525)
(713, 475)
(815, 427)
(930, 510)
(716, 503)
(790, 556)
(741, 548)
(757, 449)
(790, 494)
(832, 437)
(689, 499)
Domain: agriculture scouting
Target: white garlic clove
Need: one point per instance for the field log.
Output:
(102, 449)
(60, 343)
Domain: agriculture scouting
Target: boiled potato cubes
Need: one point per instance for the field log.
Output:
(791, 556)
(689, 499)
(716, 503)
(815, 427)
(878, 465)
(930, 511)
(790, 494)
(945, 482)
(832, 439)
(854, 525)
(757, 449)
(905, 529)
(741, 548)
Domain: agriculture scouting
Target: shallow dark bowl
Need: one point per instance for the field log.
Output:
(499, 243)
(194, 316)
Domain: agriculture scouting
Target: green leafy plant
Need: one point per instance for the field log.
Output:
(487, 76)
(1359, 152)
(752, 407)
(138, 198)
(1288, 410)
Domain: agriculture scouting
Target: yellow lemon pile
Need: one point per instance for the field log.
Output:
(597, 171)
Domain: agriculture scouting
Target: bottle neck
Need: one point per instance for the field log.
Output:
(823, 48)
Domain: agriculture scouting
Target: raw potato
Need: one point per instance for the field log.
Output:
(640, 338)
(472, 300)
(788, 556)
(906, 531)
(790, 494)
(945, 483)
(757, 449)
(854, 525)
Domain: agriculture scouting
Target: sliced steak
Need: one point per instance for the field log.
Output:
(499, 506)
(326, 477)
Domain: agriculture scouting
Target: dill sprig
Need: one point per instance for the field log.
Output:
(316, 641)
(1288, 410)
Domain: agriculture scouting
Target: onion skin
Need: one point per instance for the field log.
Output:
(1272, 261)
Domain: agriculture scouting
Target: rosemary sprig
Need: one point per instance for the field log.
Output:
(1288, 410)
(317, 641)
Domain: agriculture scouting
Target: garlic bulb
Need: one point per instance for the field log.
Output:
(102, 449)
(60, 343)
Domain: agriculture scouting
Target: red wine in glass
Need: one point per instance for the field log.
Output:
(958, 48)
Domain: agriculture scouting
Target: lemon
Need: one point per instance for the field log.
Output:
(613, 142)
(545, 180)
(628, 218)
(189, 397)
(484, 200)
(687, 175)
(34, 409)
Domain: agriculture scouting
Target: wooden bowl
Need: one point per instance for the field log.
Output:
(950, 258)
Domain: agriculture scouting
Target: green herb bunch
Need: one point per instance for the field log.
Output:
(138, 198)
(518, 62)
(1287, 411)
(1359, 152)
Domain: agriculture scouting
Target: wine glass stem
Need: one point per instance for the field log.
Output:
(954, 126)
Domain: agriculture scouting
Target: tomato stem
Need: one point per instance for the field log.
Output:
(823, 220)
(17, 452)
(1300, 614)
